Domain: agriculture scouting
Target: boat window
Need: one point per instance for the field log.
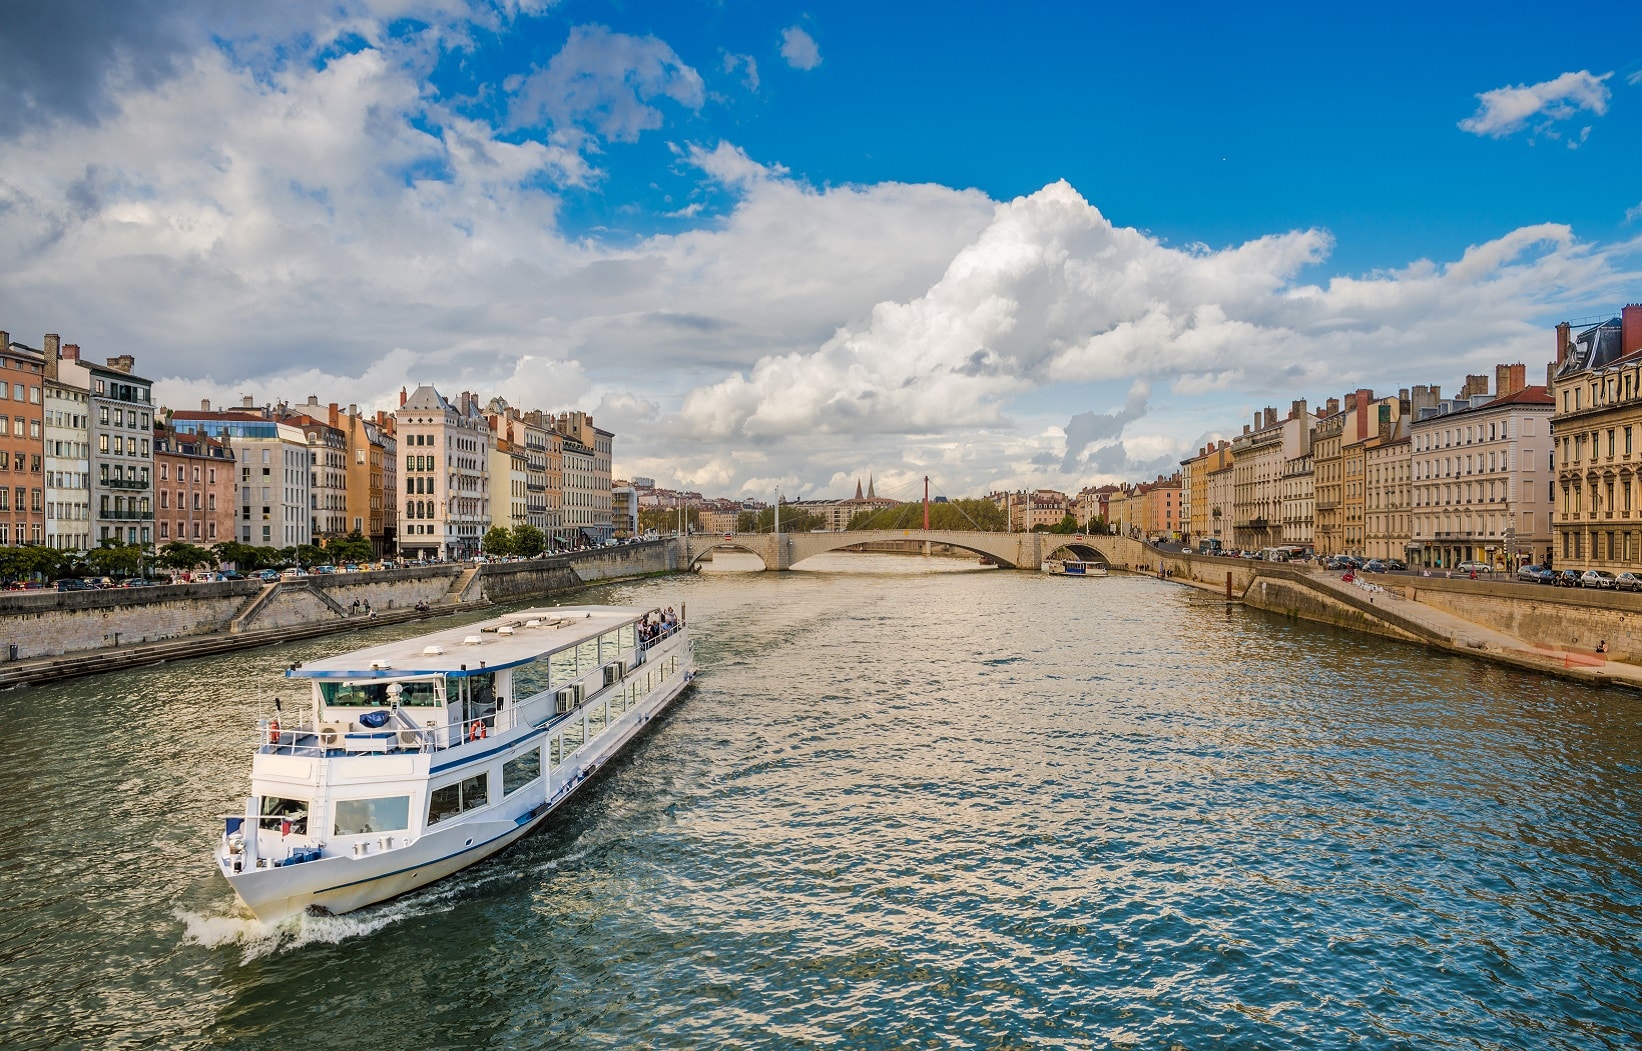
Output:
(452, 799)
(587, 656)
(482, 692)
(564, 667)
(359, 816)
(609, 646)
(553, 750)
(419, 693)
(628, 636)
(595, 720)
(530, 679)
(276, 811)
(516, 773)
(573, 736)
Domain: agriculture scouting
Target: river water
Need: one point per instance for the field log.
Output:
(909, 803)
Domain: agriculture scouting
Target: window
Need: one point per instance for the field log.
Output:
(521, 771)
(356, 817)
(278, 811)
(453, 799)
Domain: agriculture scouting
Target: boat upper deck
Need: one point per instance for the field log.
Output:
(476, 649)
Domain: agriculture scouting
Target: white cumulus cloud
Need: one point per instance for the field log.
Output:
(1504, 111)
(799, 48)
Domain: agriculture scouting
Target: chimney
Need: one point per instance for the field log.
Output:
(1333, 406)
(1630, 328)
(205, 404)
(123, 363)
(5, 339)
(1258, 416)
(71, 352)
(1473, 385)
(1562, 331)
(1246, 426)
(353, 410)
(245, 402)
(1298, 409)
(332, 415)
(401, 397)
(53, 351)
(313, 401)
(1519, 377)
(1271, 416)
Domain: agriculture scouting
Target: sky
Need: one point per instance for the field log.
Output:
(776, 246)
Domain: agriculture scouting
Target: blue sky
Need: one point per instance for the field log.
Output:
(778, 244)
(1218, 125)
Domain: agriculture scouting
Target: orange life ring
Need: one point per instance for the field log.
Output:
(477, 731)
(273, 731)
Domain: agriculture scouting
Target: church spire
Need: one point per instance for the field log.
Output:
(858, 488)
(871, 494)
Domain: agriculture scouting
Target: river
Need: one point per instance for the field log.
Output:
(909, 803)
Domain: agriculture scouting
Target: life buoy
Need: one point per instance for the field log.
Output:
(477, 731)
(273, 731)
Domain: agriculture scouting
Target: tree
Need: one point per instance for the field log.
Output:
(528, 541)
(115, 560)
(793, 520)
(18, 563)
(666, 519)
(499, 541)
(981, 515)
(180, 555)
(242, 556)
(309, 555)
(355, 547)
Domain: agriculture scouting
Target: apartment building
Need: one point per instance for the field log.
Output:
(1482, 476)
(22, 452)
(444, 498)
(195, 485)
(1596, 390)
(68, 462)
(275, 470)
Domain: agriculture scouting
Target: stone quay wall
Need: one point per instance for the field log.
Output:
(43, 624)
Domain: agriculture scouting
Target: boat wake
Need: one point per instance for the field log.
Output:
(257, 940)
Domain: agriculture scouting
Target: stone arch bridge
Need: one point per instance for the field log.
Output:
(1009, 550)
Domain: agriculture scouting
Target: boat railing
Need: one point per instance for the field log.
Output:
(401, 734)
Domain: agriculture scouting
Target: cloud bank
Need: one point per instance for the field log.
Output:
(327, 224)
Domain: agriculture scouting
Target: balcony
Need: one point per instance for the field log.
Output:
(124, 483)
(127, 516)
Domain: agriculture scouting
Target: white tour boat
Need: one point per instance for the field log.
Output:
(1072, 567)
(412, 760)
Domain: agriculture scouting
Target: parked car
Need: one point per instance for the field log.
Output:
(1397, 564)
(291, 574)
(136, 582)
(1596, 578)
(229, 574)
(1474, 567)
(1567, 578)
(1375, 565)
(100, 582)
(1530, 573)
(71, 584)
(268, 576)
(1628, 582)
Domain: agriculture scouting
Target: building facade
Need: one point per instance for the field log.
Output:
(1483, 477)
(22, 449)
(444, 498)
(195, 485)
(274, 462)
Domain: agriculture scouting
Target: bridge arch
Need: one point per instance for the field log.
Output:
(1080, 550)
(698, 557)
